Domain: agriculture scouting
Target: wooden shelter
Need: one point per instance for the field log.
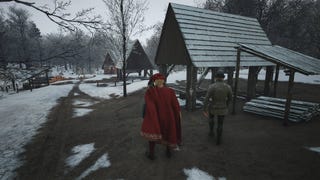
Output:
(36, 77)
(109, 65)
(292, 62)
(199, 38)
(138, 60)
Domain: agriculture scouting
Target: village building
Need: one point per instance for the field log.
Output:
(137, 60)
(108, 65)
(204, 39)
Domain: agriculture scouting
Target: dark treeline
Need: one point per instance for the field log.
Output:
(21, 42)
(294, 24)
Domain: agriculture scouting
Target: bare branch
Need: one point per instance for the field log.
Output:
(62, 19)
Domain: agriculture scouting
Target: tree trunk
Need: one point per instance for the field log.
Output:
(124, 50)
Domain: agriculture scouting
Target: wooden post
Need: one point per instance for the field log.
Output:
(236, 81)
(191, 88)
(275, 85)
(202, 77)
(230, 76)
(47, 77)
(289, 97)
(163, 69)
(30, 84)
(213, 74)
(268, 79)
(13, 84)
(252, 82)
(145, 72)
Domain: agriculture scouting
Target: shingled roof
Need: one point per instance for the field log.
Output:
(205, 38)
(288, 58)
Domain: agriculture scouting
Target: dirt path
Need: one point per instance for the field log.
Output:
(253, 147)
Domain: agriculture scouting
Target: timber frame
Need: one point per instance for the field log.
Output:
(292, 61)
(198, 38)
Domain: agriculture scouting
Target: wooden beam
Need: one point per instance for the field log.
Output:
(252, 82)
(275, 84)
(213, 74)
(289, 97)
(170, 69)
(203, 75)
(163, 69)
(47, 77)
(268, 80)
(191, 88)
(236, 81)
(230, 75)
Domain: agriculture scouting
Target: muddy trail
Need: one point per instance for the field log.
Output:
(253, 147)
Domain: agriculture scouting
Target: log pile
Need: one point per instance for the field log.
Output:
(275, 107)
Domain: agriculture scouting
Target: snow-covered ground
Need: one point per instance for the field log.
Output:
(23, 113)
(21, 116)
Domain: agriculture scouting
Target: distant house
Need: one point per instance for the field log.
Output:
(137, 60)
(109, 65)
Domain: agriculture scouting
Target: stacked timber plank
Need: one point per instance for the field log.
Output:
(275, 107)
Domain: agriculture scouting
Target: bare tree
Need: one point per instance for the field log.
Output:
(153, 42)
(3, 40)
(215, 5)
(63, 19)
(19, 26)
(126, 19)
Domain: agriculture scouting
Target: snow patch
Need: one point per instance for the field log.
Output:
(196, 174)
(102, 162)
(78, 112)
(83, 103)
(79, 152)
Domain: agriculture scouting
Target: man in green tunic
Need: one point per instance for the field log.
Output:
(216, 103)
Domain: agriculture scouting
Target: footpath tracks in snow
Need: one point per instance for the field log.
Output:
(45, 155)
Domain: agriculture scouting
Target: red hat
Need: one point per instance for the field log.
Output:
(158, 76)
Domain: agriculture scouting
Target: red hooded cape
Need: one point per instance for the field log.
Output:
(161, 121)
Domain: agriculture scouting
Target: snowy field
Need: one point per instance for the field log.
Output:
(22, 114)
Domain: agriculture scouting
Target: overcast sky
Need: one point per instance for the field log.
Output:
(155, 13)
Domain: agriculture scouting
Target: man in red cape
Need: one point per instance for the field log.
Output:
(161, 121)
